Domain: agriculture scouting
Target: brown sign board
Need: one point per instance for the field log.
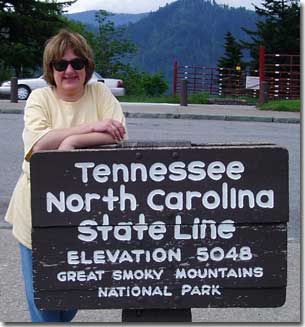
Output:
(160, 227)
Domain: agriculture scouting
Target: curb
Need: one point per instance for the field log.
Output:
(214, 117)
(260, 119)
(5, 225)
(11, 111)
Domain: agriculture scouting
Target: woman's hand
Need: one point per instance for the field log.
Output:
(111, 127)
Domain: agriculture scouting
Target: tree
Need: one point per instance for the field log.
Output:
(81, 28)
(233, 55)
(25, 25)
(232, 62)
(278, 29)
(110, 46)
(112, 49)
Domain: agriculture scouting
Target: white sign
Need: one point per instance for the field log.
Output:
(252, 82)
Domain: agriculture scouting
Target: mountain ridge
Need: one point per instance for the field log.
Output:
(88, 17)
(188, 31)
(191, 32)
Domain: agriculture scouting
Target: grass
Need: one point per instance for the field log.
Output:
(282, 105)
(203, 98)
(198, 98)
(149, 99)
(241, 99)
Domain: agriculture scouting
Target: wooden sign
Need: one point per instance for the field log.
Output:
(160, 227)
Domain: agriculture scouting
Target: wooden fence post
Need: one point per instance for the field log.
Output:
(263, 92)
(262, 83)
(175, 78)
(183, 93)
(14, 89)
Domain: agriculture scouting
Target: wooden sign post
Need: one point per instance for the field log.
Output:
(144, 227)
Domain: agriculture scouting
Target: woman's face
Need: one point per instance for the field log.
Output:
(70, 81)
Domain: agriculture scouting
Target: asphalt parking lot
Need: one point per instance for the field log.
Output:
(12, 292)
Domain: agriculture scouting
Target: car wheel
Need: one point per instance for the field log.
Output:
(23, 92)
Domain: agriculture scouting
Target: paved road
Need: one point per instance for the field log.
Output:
(194, 111)
(199, 131)
(12, 294)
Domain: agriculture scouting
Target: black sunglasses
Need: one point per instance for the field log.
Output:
(77, 64)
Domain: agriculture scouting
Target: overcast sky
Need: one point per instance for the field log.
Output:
(139, 6)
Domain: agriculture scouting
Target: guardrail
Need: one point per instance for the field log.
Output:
(282, 73)
(212, 80)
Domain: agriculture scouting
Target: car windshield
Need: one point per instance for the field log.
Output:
(98, 75)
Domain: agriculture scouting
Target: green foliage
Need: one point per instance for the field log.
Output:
(278, 29)
(147, 99)
(110, 46)
(5, 72)
(154, 84)
(110, 49)
(197, 98)
(143, 84)
(190, 31)
(24, 28)
(80, 28)
(233, 55)
(282, 105)
(132, 81)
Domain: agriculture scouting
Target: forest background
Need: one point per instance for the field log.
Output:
(141, 49)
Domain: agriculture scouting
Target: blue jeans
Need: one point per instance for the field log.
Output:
(36, 314)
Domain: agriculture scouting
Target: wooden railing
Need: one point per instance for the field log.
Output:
(215, 81)
(281, 72)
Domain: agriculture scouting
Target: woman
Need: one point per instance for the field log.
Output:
(66, 115)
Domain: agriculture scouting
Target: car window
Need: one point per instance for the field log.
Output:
(98, 75)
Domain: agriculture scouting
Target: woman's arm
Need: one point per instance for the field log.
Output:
(86, 140)
(111, 131)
